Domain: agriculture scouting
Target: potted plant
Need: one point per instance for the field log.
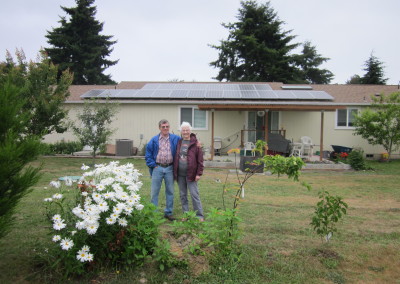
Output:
(384, 157)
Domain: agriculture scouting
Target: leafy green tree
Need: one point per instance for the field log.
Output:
(308, 62)
(16, 151)
(374, 72)
(77, 45)
(256, 49)
(380, 124)
(93, 128)
(41, 91)
(355, 79)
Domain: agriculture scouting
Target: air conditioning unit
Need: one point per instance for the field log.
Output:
(123, 147)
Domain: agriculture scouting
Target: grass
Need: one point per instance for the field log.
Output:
(278, 243)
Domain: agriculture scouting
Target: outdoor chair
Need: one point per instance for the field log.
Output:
(249, 146)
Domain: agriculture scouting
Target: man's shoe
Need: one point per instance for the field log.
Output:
(169, 217)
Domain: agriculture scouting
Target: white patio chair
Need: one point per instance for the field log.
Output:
(297, 150)
(307, 146)
(249, 146)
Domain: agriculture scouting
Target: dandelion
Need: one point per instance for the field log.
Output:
(56, 238)
(66, 244)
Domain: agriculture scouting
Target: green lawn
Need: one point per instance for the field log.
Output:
(279, 245)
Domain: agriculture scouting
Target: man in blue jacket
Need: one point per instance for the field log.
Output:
(160, 153)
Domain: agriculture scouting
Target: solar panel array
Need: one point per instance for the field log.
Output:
(195, 91)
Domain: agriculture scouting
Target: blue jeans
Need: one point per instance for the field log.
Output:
(160, 173)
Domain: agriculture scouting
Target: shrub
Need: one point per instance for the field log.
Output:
(61, 147)
(107, 225)
(357, 161)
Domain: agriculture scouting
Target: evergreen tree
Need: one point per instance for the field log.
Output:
(256, 49)
(78, 46)
(374, 72)
(16, 151)
(355, 79)
(41, 91)
(308, 62)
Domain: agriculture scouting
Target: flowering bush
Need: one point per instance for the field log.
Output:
(106, 223)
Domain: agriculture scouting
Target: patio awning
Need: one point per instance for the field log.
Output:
(273, 107)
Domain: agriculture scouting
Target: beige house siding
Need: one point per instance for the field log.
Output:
(136, 119)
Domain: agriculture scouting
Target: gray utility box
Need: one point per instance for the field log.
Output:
(123, 147)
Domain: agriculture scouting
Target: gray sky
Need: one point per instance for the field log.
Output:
(161, 40)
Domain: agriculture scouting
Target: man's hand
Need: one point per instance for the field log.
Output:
(197, 178)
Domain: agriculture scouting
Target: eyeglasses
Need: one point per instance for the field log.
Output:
(165, 126)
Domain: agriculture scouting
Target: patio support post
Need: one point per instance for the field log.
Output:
(266, 127)
(212, 135)
(321, 142)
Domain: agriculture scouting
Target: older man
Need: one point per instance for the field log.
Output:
(160, 151)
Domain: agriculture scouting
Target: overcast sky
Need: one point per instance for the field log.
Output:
(161, 40)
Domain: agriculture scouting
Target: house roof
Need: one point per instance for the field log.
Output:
(342, 94)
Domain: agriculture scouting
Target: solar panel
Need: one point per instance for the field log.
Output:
(214, 95)
(247, 87)
(302, 95)
(179, 94)
(209, 91)
(285, 94)
(161, 94)
(196, 94)
(250, 95)
(267, 95)
(151, 86)
(144, 93)
(231, 87)
(232, 95)
(92, 94)
(260, 87)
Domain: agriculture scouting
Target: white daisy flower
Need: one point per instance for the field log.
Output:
(66, 244)
(56, 238)
(57, 217)
(48, 199)
(122, 222)
(59, 225)
(57, 196)
(111, 220)
(55, 184)
(139, 206)
(84, 167)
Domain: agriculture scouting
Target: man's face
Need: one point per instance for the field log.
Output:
(164, 129)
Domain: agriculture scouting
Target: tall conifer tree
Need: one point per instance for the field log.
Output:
(374, 72)
(256, 49)
(77, 45)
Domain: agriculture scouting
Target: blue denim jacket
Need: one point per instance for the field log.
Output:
(152, 149)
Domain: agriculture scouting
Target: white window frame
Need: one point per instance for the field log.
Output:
(193, 108)
(348, 111)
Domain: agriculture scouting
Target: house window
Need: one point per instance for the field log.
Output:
(345, 117)
(197, 118)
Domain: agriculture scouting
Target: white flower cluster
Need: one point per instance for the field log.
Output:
(111, 196)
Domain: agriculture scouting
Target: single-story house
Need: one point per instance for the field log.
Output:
(225, 115)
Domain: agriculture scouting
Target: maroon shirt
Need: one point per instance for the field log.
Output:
(194, 159)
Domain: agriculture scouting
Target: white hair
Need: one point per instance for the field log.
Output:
(186, 124)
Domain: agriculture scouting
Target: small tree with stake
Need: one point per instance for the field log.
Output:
(95, 120)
